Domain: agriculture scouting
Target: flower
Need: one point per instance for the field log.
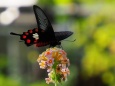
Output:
(42, 64)
(50, 62)
(56, 62)
(48, 80)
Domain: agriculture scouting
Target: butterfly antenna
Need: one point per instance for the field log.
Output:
(12, 33)
(69, 40)
(20, 41)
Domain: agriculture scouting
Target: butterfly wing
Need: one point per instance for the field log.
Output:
(46, 32)
(42, 35)
(62, 35)
(30, 37)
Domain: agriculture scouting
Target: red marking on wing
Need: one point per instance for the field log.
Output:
(30, 31)
(35, 41)
(26, 33)
(23, 36)
(36, 29)
(40, 44)
(28, 41)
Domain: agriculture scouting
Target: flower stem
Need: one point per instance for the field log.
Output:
(55, 77)
(55, 84)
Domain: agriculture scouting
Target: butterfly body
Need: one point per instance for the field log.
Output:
(44, 34)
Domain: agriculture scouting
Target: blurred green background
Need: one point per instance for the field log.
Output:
(92, 55)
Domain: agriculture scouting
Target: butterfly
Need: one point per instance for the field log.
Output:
(44, 34)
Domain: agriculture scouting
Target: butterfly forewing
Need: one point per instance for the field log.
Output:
(46, 31)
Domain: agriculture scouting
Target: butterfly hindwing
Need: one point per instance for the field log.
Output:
(30, 37)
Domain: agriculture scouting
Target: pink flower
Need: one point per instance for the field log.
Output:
(50, 61)
(56, 62)
(48, 80)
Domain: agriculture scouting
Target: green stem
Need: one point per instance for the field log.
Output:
(55, 84)
(54, 68)
(55, 78)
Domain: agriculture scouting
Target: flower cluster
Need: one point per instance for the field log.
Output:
(56, 63)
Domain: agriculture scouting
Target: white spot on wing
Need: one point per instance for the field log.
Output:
(36, 36)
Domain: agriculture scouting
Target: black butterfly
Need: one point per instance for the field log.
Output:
(44, 34)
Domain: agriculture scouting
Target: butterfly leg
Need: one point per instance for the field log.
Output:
(49, 46)
(60, 46)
